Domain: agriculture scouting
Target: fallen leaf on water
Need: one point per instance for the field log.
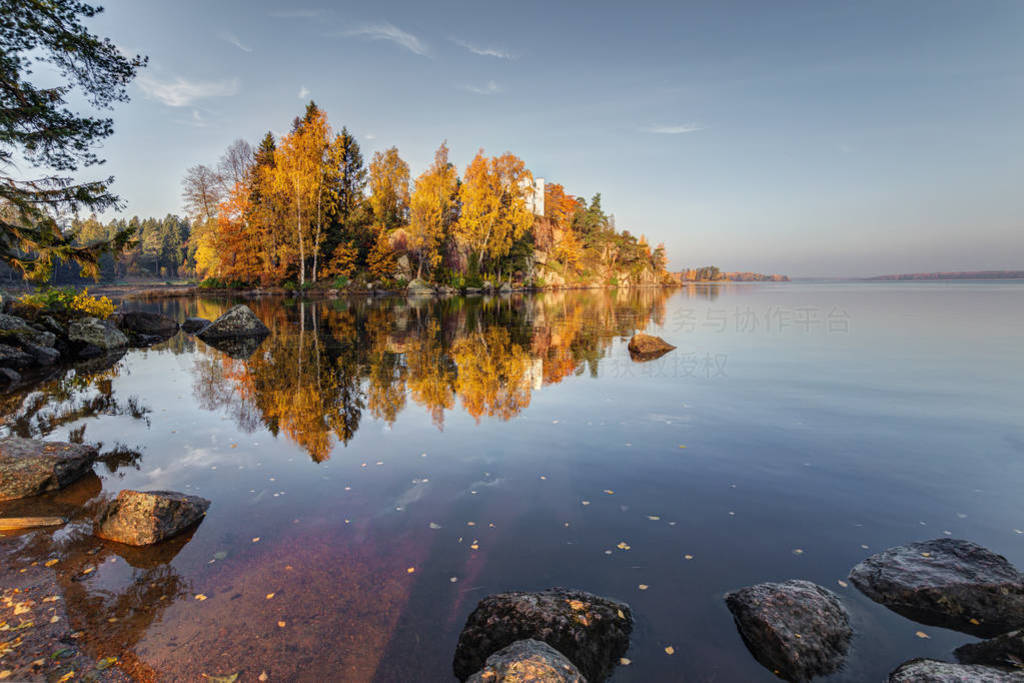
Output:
(219, 555)
(643, 586)
(585, 502)
(66, 677)
(842, 583)
(609, 492)
(230, 678)
(54, 619)
(234, 445)
(50, 563)
(622, 545)
(106, 663)
(624, 661)
(975, 622)
(621, 615)
(270, 596)
(798, 551)
(682, 446)
(470, 523)
(256, 539)
(282, 624)
(88, 570)
(687, 557)
(435, 525)
(475, 546)
(653, 518)
(922, 634)
(543, 478)
(670, 650)
(200, 597)
(410, 570)
(263, 676)
(454, 579)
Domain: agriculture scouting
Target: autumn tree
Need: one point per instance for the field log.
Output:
(389, 189)
(297, 176)
(495, 208)
(431, 209)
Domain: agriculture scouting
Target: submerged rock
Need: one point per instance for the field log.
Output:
(239, 321)
(646, 347)
(239, 348)
(934, 671)
(946, 582)
(29, 467)
(193, 325)
(591, 631)
(1005, 650)
(96, 333)
(796, 629)
(145, 517)
(528, 661)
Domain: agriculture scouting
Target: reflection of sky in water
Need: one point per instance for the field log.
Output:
(815, 417)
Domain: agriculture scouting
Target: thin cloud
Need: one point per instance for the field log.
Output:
(295, 14)
(233, 39)
(673, 130)
(180, 92)
(303, 92)
(370, 136)
(484, 51)
(390, 32)
(488, 88)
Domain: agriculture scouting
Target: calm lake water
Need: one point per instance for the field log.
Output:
(381, 465)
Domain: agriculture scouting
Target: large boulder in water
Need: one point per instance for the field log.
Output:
(145, 324)
(145, 517)
(528, 661)
(646, 347)
(29, 467)
(419, 288)
(946, 582)
(96, 333)
(934, 671)
(1005, 650)
(796, 629)
(591, 631)
(239, 321)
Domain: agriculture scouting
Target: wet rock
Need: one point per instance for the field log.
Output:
(796, 629)
(8, 376)
(645, 347)
(11, 357)
(239, 321)
(934, 671)
(43, 355)
(1006, 650)
(29, 467)
(96, 333)
(193, 325)
(145, 517)
(591, 631)
(946, 582)
(145, 324)
(419, 288)
(528, 661)
(12, 322)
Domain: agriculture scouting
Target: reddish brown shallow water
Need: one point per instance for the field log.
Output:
(512, 445)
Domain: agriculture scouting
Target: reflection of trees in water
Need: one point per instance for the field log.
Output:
(325, 363)
(83, 391)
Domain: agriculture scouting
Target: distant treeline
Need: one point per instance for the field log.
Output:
(712, 274)
(961, 275)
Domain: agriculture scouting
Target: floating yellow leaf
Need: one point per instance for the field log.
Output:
(653, 518)
(54, 619)
(200, 597)
(270, 596)
(798, 551)
(622, 545)
(670, 650)
(687, 557)
(975, 622)
(922, 634)
(282, 624)
(256, 539)
(609, 492)
(621, 615)
(50, 563)
(475, 546)
(842, 583)
(624, 661)
(643, 586)
(66, 677)
(585, 502)
(682, 446)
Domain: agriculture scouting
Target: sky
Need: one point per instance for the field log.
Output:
(806, 138)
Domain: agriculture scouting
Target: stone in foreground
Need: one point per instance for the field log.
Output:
(29, 467)
(591, 631)
(796, 629)
(646, 347)
(239, 321)
(146, 517)
(934, 671)
(97, 333)
(946, 582)
(528, 661)
(1005, 650)
(193, 325)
